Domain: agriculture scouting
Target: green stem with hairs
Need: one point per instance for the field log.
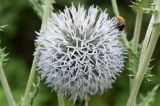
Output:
(60, 99)
(142, 68)
(6, 87)
(148, 36)
(47, 9)
(30, 81)
(135, 40)
(115, 7)
(137, 29)
(86, 102)
(149, 49)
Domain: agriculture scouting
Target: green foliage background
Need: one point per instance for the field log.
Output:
(18, 38)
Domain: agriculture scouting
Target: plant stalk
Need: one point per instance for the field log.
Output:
(137, 29)
(60, 99)
(30, 81)
(142, 68)
(47, 10)
(86, 102)
(135, 40)
(115, 7)
(147, 38)
(148, 50)
(6, 87)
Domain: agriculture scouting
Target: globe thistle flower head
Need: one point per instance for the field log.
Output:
(79, 52)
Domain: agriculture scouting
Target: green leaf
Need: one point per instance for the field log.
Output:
(32, 93)
(133, 63)
(133, 59)
(146, 5)
(3, 55)
(147, 100)
(38, 6)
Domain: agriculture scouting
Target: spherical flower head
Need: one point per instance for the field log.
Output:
(79, 52)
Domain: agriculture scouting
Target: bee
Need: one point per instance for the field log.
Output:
(121, 23)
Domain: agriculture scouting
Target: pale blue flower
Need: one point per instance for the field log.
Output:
(79, 52)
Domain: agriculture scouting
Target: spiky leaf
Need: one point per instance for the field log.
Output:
(147, 100)
(38, 6)
(133, 63)
(146, 5)
(3, 55)
(32, 94)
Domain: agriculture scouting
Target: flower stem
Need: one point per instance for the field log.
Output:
(115, 7)
(30, 81)
(148, 36)
(47, 10)
(60, 99)
(142, 68)
(149, 49)
(136, 35)
(6, 87)
(135, 40)
(86, 102)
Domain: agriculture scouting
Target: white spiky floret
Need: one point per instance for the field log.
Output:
(79, 52)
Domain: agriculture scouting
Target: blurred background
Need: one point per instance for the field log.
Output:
(18, 38)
